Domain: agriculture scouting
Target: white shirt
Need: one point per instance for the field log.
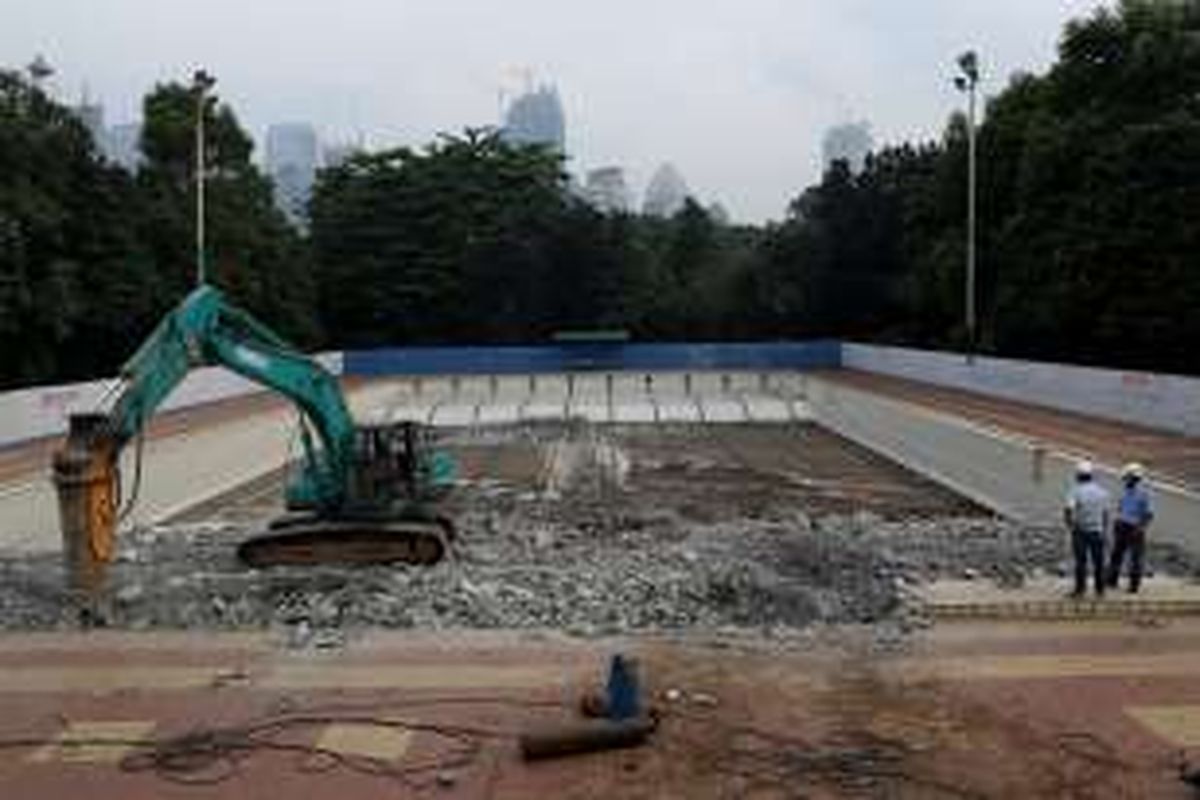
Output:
(1088, 503)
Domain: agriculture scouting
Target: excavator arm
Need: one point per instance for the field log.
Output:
(204, 330)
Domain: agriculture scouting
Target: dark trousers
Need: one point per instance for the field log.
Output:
(1132, 539)
(1085, 545)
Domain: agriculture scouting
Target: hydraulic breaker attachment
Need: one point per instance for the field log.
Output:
(86, 479)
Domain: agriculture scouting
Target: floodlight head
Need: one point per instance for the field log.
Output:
(969, 63)
(961, 83)
(203, 81)
(39, 68)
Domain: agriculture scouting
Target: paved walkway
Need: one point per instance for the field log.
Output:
(1118, 695)
(1046, 598)
(1101, 709)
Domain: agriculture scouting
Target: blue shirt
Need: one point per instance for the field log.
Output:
(1134, 505)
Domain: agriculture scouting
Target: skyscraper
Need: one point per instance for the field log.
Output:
(334, 155)
(92, 116)
(718, 213)
(536, 117)
(849, 142)
(292, 165)
(122, 145)
(606, 190)
(666, 193)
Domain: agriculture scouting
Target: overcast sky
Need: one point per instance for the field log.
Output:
(737, 93)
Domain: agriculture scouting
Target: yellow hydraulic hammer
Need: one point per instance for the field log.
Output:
(86, 478)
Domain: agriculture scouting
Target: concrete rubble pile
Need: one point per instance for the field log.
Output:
(582, 554)
(641, 574)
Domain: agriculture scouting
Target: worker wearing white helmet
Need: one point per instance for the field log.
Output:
(1134, 514)
(1087, 516)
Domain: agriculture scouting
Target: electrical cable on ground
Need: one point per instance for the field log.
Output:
(860, 761)
(207, 756)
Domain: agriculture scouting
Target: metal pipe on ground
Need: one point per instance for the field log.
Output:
(586, 736)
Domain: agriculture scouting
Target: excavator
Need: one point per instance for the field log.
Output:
(357, 494)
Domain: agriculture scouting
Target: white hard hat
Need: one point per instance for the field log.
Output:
(1133, 470)
(1084, 467)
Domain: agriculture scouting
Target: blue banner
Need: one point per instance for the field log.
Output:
(592, 356)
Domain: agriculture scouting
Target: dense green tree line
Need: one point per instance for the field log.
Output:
(1090, 213)
(1089, 202)
(473, 240)
(91, 256)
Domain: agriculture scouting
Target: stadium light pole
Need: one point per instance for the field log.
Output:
(968, 81)
(201, 83)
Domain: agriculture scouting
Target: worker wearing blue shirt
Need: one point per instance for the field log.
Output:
(1134, 513)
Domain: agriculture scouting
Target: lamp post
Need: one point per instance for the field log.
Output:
(967, 82)
(40, 72)
(201, 83)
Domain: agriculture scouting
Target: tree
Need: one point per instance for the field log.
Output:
(90, 257)
(1095, 231)
(1089, 182)
(452, 242)
(253, 253)
(66, 242)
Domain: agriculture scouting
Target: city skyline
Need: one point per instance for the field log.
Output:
(533, 116)
(607, 191)
(536, 117)
(848, 141)
(293, 155)
(666, 193)
(120, 141)
(291, 152)
(698, 86)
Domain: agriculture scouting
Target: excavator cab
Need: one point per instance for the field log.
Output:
(394, 465)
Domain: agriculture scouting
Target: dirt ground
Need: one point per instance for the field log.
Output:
(704, 473)
(711, 473)
(840, 723)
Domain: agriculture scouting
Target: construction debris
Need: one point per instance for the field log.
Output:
(648, 574)
(609, 533)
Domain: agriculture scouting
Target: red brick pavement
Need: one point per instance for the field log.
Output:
(1020, 731)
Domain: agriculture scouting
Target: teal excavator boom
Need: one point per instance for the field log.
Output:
(358, 493)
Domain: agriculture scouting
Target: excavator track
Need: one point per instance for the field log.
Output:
(308, 541)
